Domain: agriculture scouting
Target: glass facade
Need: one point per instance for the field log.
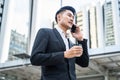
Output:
(18, 44)
(18, 22)
(109, 27)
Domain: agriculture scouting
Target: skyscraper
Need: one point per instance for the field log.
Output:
(1, 11)
(111, 22)
(108, 23)
(82, 22)
(93, 27)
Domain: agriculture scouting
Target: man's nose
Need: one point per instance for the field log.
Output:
(72, 19)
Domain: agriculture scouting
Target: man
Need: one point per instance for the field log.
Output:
(54, 53)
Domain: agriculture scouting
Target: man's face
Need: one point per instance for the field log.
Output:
(66, 19)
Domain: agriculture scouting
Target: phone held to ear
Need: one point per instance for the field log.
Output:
(73, 28)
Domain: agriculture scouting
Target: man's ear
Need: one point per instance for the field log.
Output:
(58, 17)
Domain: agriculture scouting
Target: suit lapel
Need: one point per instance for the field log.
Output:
(59, 38)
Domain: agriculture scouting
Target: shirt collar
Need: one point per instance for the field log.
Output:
(62, 32)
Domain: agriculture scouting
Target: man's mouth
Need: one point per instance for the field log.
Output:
(71, 23)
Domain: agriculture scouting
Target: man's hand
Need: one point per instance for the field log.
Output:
(75, 51)
(78, 34)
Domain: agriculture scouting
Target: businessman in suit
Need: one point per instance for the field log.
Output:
(55, 53)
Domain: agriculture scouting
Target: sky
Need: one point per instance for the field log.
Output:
(78, 3)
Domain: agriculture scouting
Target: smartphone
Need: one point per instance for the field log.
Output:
(73, 28)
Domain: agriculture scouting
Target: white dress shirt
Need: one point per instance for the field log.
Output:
(63, 36)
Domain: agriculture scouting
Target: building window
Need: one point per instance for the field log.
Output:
(18, 21)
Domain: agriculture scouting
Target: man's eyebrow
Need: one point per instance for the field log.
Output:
(70, 14)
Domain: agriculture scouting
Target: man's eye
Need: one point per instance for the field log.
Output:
(69, 15)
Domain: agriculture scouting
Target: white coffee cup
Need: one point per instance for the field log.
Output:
(79, 54)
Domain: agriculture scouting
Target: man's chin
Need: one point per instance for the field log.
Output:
(70, 27)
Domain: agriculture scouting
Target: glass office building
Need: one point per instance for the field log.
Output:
(109, 27)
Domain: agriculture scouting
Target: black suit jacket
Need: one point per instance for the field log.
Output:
(48, 52)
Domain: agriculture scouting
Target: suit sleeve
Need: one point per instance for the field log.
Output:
(39, 56)
(83, 60)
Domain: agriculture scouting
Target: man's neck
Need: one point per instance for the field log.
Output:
(63, 28)
(65, 31)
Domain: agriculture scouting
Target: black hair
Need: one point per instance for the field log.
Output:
(63, 9)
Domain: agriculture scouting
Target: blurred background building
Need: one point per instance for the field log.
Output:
(21, 19)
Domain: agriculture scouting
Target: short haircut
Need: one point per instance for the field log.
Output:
(63, 9)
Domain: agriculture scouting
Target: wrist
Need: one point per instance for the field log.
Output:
(65, 54)
(80, 39)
